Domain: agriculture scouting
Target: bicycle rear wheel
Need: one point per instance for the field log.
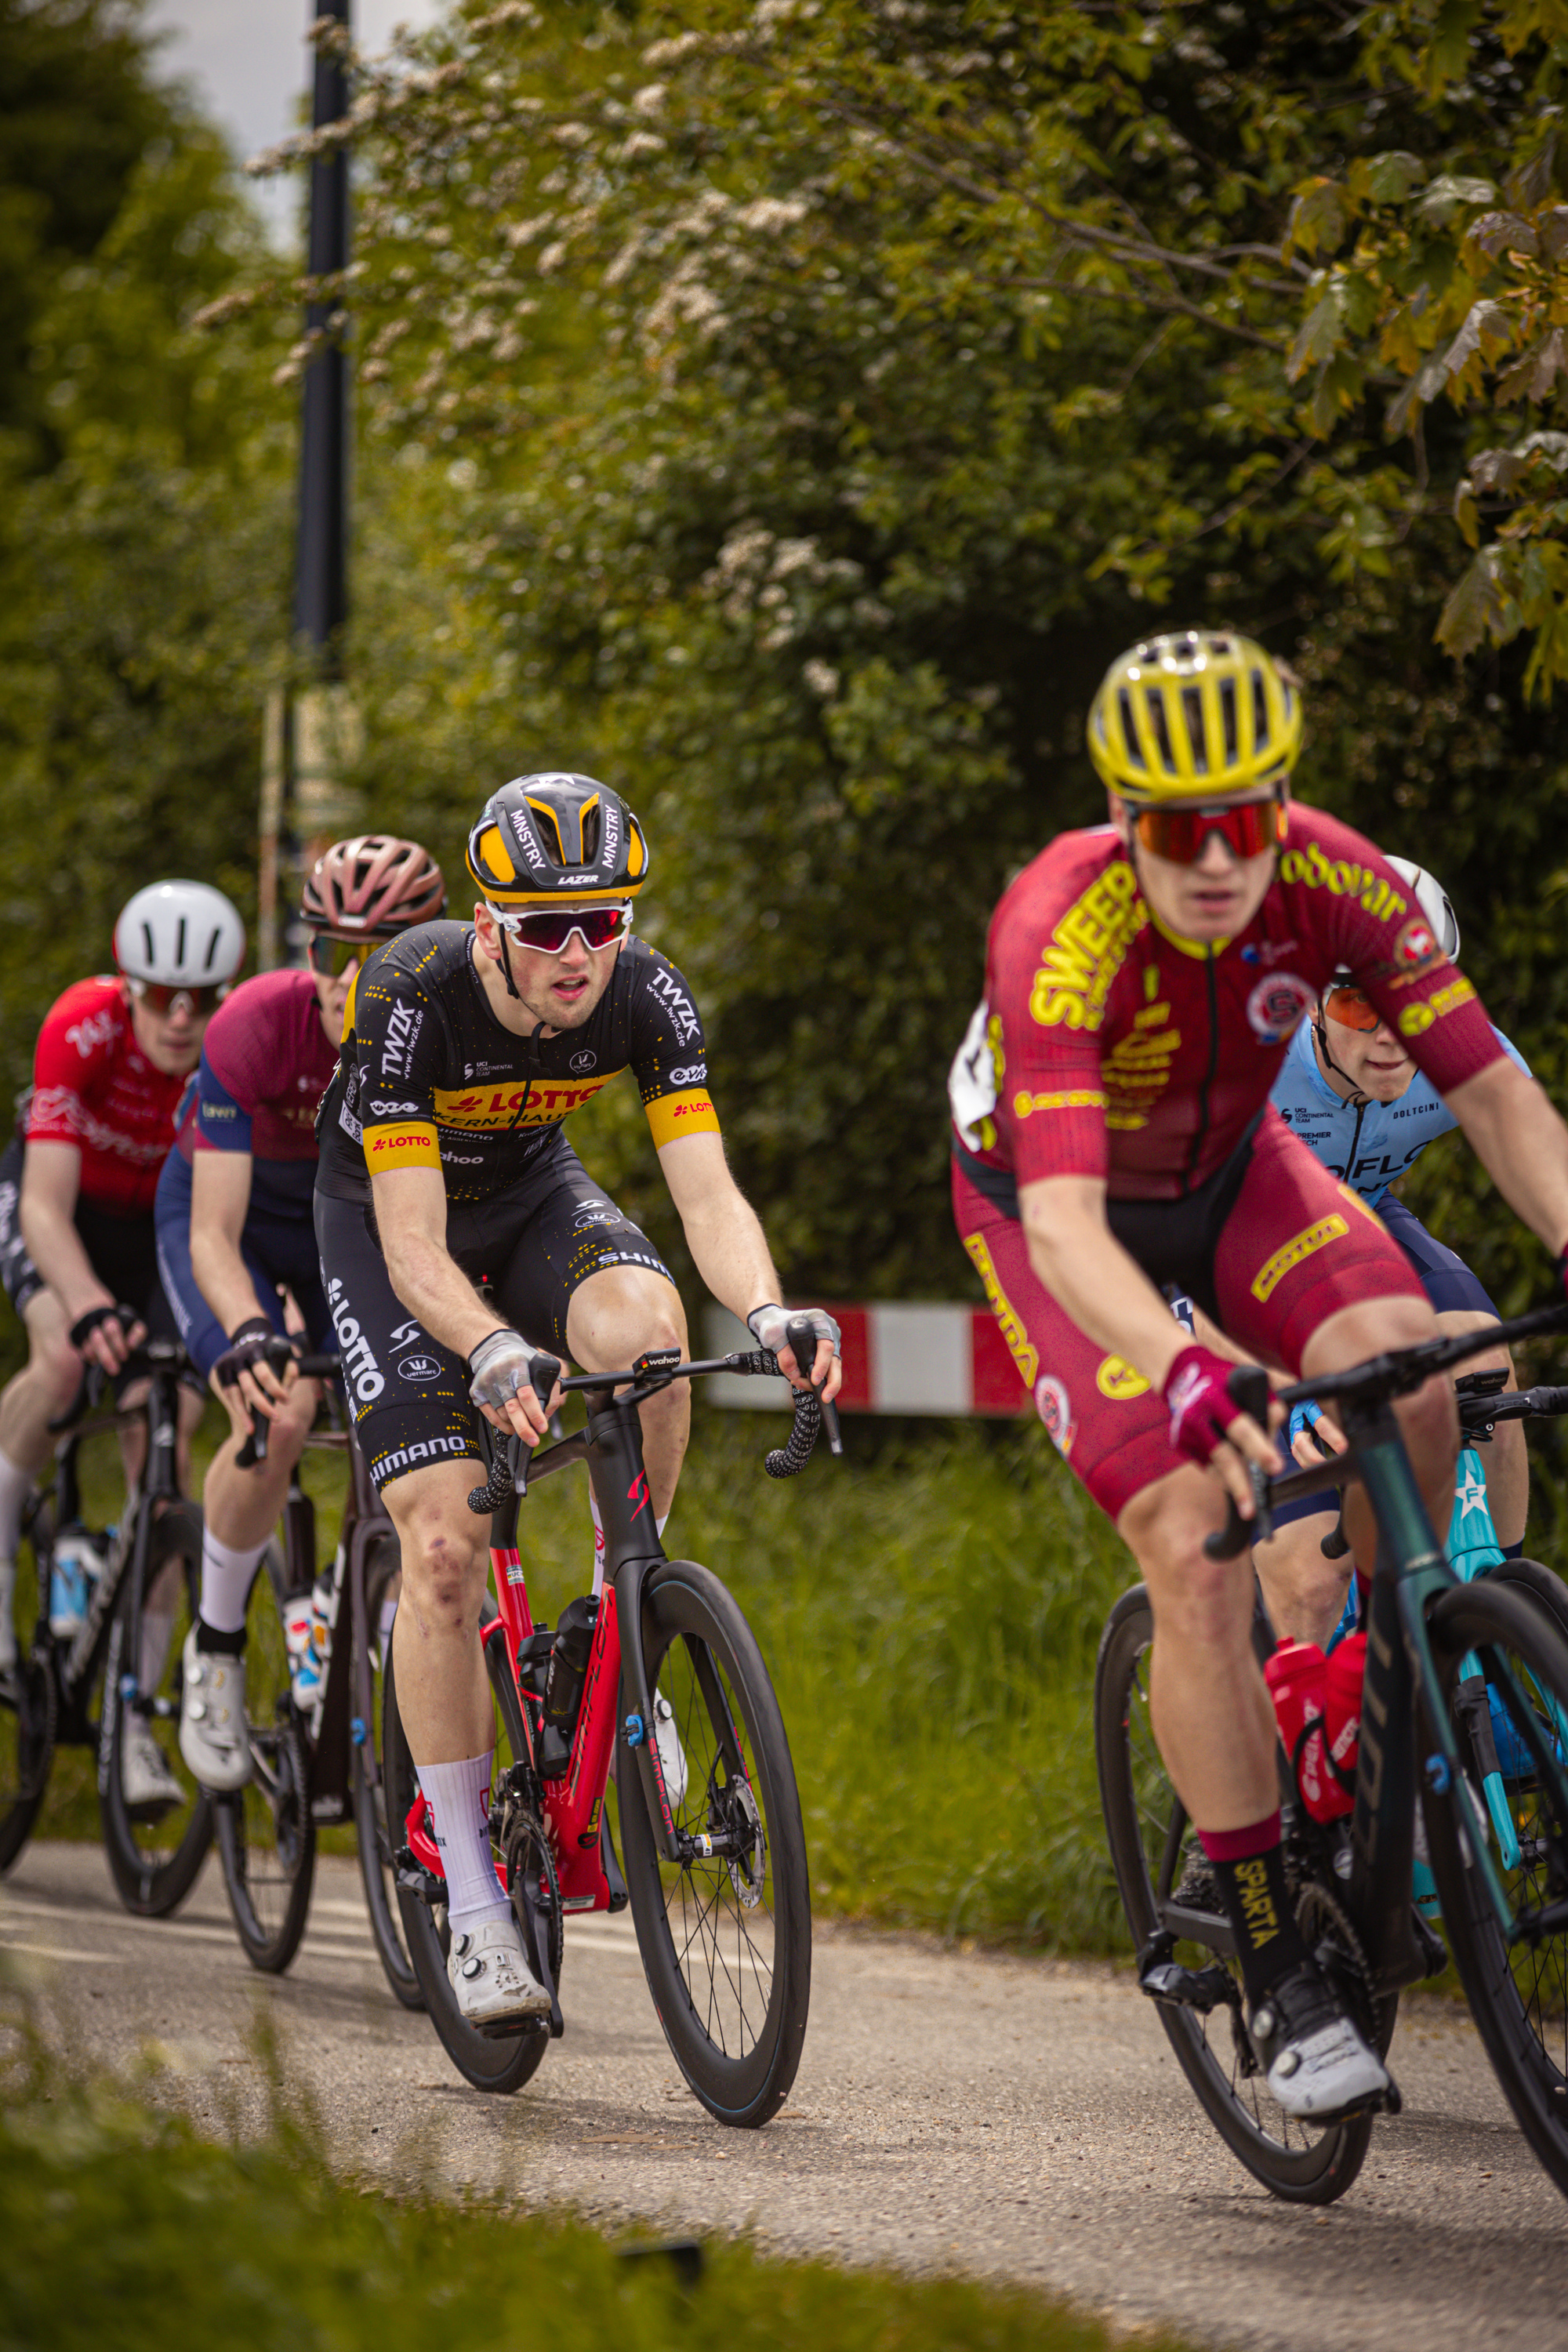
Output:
(155, 1850)
(1161, 1873)
(373, 1822)
(489, 2061)
(1517, 1991)
(725, 1944)
(265, 1832)
(29, 1700)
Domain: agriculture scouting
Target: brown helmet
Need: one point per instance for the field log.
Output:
(375, 883)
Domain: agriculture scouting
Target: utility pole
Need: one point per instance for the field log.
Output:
(308, 743)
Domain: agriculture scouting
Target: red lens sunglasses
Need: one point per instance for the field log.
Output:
(1181, 835)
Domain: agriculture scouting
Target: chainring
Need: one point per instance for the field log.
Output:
(530, 1863)
(1324, 1922)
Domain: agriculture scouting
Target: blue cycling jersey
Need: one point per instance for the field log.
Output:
(1366, 1145)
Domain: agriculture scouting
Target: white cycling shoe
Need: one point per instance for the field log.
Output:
(214, 1738)
(1313, 2057)
(671, 1754)
(493, 1982)
(146, 1781)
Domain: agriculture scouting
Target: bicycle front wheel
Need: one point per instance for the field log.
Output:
(373, 1822)
(1165, 1882)
(266, 1832)
(157, 1822)
(725, 1942)
(1518, 1989)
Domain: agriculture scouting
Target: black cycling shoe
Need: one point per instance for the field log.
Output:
(1314, 2058)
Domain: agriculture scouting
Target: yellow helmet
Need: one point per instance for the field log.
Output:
(1192, 716)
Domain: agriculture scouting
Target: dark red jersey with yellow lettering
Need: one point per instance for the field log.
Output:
(1108, 1048)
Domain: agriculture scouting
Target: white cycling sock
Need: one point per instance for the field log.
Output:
(226, 1578)
(659, 1526)
(459, 1797)
(14, 1488)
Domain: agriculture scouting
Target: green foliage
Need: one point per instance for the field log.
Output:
(118, 2215)
(144, 535)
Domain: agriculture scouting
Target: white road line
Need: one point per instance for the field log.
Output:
(59, 1952)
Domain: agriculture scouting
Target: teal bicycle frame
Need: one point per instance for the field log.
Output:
(1411, 1577)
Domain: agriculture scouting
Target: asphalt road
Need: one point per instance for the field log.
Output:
(953, 2111)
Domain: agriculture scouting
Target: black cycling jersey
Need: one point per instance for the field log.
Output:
(427, 1077)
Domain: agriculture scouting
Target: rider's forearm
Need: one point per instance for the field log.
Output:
(1091, 1275)
(56, 1248)
(224, 1279)
(436, 1291)
(1522, 1144)
(730, 1251)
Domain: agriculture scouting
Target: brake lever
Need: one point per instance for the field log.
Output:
(800, 1338)
(519, 1453)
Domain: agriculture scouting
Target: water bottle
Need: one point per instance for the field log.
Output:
(563, 1683)
(1341, 1708)
(75, 1568)
(308, 1639)
(1295, 1675)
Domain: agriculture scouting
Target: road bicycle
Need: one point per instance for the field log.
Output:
(312, 1767)
(715, 1866)
(1447, 1661)
(124, 1658)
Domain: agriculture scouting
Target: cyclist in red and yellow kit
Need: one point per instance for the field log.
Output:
(1143, 980)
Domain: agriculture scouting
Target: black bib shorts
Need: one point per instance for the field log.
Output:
(534, 1244)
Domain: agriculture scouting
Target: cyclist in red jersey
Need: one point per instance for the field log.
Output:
(1143, 980)
(77, 1183)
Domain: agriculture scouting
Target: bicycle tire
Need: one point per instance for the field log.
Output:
(30, 1701)
(153, 1880)
(498, 2062)
(744, 2085)
(371, 1824)
(1523, 2026)
(1145, 1823)
(1530, 1576)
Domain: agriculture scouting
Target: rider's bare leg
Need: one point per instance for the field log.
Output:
(1304, 1592)
(43, 1387)
(1507, 1458)
(613, 1317)
(1211, 1712)
(443, 1694)
(243, 1506)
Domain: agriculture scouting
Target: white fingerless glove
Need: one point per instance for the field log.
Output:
(769, 1327)
(503, 1365)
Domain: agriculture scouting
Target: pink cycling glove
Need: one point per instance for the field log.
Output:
(1200, 1404)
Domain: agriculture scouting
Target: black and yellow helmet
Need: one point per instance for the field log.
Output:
(1193, 716)
(547, 837)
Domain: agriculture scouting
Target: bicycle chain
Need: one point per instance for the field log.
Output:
(1315, 1897)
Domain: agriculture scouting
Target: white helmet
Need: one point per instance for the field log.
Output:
(181, 934)
(1434, 903)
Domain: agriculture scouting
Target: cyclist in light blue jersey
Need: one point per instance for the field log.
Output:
(1352, 1093)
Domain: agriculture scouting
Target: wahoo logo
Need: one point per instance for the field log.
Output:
(359, 1362)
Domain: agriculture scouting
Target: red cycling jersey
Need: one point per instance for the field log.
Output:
(1122, 1052)
(93, 1087)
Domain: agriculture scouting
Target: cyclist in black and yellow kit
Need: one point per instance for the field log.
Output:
(443, 1159)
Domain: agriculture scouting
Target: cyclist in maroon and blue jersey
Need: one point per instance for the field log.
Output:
(236, 1243)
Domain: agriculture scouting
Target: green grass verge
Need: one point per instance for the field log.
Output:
(123, 2228)
(929, 1611)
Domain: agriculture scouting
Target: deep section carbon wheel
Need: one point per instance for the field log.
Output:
(1166, 1887)
(725, 1941)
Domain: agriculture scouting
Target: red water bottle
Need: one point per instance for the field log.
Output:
(1342, 1711)
(1296, 1675)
